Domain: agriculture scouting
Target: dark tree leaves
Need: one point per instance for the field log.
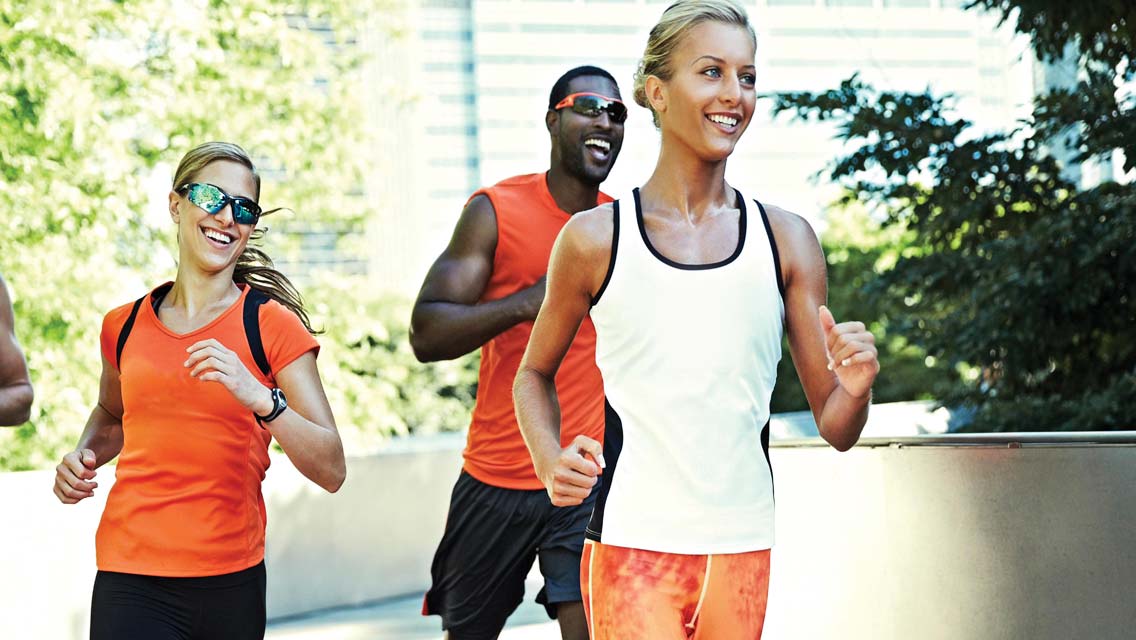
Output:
(1017, 275)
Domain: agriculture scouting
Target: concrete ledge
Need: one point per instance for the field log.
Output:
(951, 542)
(954, 542)
(372, 540)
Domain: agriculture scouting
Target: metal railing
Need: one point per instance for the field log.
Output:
(1007, 439)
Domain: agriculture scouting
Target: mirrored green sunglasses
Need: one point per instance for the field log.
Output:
(212, 199)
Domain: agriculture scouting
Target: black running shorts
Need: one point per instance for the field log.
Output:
(492, 537)
(127, 606)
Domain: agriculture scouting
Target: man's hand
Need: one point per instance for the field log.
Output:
(570, 476)
(74, 476)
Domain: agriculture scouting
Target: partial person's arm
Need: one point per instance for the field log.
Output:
(447, 321)
(100, 442)
(579, 263)
(306, 430)
(836, 363)
(15, 385)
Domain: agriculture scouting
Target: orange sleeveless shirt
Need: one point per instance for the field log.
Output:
(186, 500)
(528, 221)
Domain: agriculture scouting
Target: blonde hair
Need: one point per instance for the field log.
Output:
(676, 21)
(254, 267)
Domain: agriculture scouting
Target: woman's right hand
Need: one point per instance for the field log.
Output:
(73, 476)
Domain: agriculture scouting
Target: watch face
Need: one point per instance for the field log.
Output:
(279, 404)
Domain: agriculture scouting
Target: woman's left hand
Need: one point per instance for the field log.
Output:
(851, 353)
(211, 361)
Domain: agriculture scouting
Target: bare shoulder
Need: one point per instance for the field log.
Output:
(797, 245)
(480, 206)
(478, 218)
(790, 229)
(476, 230)
(583, 251)
(588, 234)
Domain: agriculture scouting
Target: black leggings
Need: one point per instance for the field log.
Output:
(127, 606)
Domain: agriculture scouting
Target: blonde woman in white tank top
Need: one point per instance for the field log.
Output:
(690, 286)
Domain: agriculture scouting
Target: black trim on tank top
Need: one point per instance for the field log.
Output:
(765, 450)
(773, 246)
(612, 446)
(693, 267)
(614, 248)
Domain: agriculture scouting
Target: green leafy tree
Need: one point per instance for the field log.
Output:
(98, 101)
(373, 380)
(857, 249)
(1018, 276)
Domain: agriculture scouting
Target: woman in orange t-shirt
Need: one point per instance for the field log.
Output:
(189, 406)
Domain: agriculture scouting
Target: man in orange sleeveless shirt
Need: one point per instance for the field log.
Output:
(484, 291)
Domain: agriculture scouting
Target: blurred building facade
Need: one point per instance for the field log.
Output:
(472, 80)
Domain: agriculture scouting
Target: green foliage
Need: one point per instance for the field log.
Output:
(1017, 277)
(372, 378)
(857, 250)
(98, 101)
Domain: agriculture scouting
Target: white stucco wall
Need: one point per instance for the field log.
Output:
(971, 541)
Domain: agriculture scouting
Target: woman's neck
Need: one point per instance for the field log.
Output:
(686, 185)
(196, 292)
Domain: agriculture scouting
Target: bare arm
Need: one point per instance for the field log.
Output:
(836, 362)
(579, 263)
(306, 430)
(15, 385)
(447, 321)
(100, 442)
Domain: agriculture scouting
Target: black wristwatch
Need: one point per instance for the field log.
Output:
(279, 404)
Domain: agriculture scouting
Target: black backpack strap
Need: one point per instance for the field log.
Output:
(253, 300)
(125, 332)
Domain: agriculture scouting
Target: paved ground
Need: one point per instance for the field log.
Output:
(401, 619)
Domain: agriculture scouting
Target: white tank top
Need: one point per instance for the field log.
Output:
(689, 357)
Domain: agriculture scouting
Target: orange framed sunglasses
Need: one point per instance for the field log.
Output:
(591, 104)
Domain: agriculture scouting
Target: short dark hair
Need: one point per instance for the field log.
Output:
(560, 89)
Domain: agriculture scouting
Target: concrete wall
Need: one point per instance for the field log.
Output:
(955, 542)
(929, 539)
(374, 539)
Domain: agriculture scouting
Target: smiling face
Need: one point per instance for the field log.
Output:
(213, 242)
(709, 100)
(585, 146)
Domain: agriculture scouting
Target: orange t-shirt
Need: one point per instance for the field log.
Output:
(186, 500)
(528, 221)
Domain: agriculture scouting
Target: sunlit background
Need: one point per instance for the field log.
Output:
(372, 122)
(969, 169)
(478, 76)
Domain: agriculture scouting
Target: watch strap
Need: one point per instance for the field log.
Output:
(279, 404)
